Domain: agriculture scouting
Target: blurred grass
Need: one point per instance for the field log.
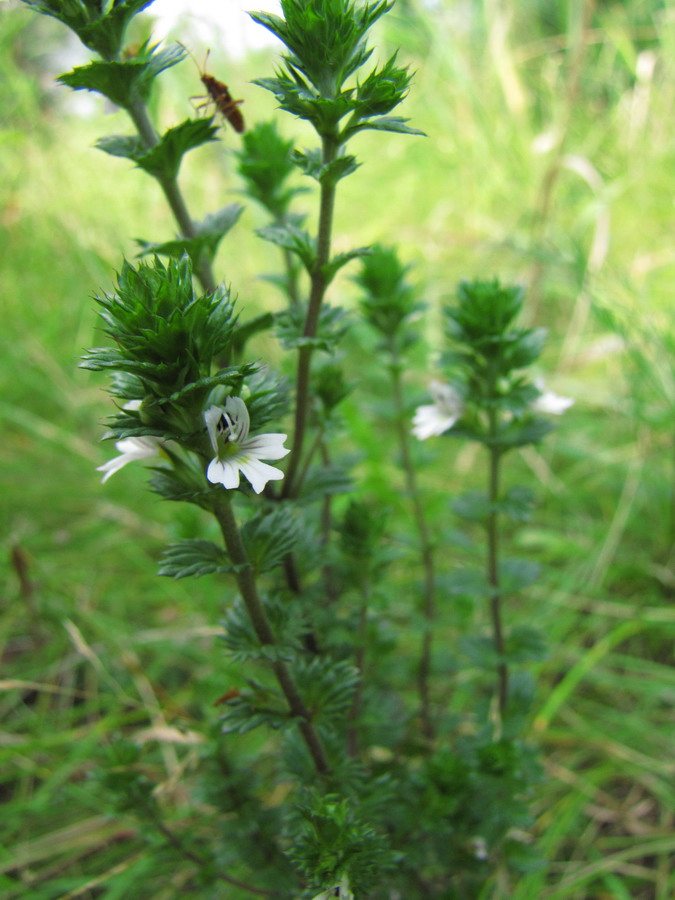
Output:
(549, 159)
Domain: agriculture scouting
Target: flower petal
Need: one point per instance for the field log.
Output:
(258, 473)
(132, 449)
(430, 421)
(212, 416)
(225, 473)
(552, 403)
(265, 446)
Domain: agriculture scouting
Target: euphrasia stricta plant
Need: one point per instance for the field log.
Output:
(369, 779)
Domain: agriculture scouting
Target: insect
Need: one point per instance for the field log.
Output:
(219, 95)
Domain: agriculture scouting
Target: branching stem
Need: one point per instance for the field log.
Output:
(249, 592)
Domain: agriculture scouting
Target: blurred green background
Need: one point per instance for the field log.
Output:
(550, 160)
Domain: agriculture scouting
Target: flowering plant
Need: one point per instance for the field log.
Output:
(364, 784)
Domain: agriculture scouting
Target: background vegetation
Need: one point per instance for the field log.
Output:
(549, 161)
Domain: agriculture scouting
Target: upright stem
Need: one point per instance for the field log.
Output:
(249, 592)
(172, 192)
(429, 595)
(317, 292)
(493, 568)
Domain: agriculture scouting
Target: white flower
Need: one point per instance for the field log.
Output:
(436, 418)
(131, 449)
(549, 402)
(237, 452)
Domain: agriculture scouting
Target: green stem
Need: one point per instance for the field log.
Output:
(429, 595)
(493, 567)
(139, 115)
(247, 586)
(317, 292)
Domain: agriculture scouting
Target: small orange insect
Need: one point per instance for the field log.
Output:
(219, 95)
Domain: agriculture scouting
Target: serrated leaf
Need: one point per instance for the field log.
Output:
(327, 687)
(270, 538)
(217, 224)
(333, 323)
(323, 481)
(311, 163)
(340, 260)
(123, 81)
(242, 716)
(164, 159)
(195, 557)
(287, 624)
(382, 123)
(170, 486)
(290, 237)
(209, 234)
(126, 146)
(100, 27)
(115, 79)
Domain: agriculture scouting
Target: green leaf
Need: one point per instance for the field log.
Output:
(516, 574)
(247, 712)
(340, 260)
(286, 621)
(209, 234)
(310, 161)
(123, 81)
(333, 323)
(164, 159)
(126, 146)
(195, 557)
(100, 26)
(327, 687)
(290, 237)
(231, 376)
(520, 432)
(382, 123)
(270, 538)
(264, 162)
(323, 481)
(181, 489)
